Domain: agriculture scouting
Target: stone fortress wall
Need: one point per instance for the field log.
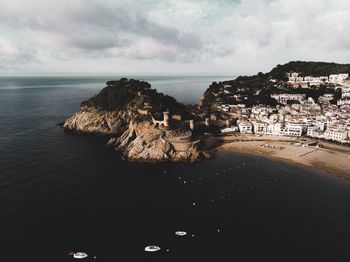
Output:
(181, 140)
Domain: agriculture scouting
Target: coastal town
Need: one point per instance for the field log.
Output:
(294, 114)
(287, 114)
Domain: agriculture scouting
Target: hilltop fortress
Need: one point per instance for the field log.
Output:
(143, 124)
(293, 100)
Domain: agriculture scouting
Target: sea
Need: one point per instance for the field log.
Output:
(63, 193)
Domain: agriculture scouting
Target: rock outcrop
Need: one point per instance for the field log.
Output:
(124, 110)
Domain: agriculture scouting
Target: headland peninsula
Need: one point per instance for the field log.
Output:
(299, 112)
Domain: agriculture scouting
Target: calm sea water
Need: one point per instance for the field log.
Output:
(61, 192)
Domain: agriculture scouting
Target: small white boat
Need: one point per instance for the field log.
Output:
(181, 233)
(152, 248)
(80, 255)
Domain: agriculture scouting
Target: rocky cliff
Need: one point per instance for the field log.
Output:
(125, 110)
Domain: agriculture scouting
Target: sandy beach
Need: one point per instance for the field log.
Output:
(332, 158)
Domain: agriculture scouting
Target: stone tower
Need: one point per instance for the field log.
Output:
(192, 124)
(166, 119)
(207, 123)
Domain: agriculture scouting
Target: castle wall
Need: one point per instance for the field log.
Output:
(184, 146)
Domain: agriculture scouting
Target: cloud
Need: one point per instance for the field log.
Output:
(198, 35)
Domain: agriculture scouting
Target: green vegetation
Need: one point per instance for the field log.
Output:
(116, 94)
(248, 90)
(308, 69)
(257, 89)
(133, 94)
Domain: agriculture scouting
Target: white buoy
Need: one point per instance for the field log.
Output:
(80, 255)
(194, 203)
(180, 233)
(152, 248)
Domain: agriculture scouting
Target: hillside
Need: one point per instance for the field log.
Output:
(125, 111)
(257, 89)
(308, 69)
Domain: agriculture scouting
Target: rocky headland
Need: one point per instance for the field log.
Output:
(142, 124)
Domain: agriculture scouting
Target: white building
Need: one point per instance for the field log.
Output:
(245, 127)
(293, 129)
(230, 129)
(338, 79)
(284, 98)
(260, 127)
(314, 131)
(274, 129)
(342, 102)
(312, 79)
(336, 134)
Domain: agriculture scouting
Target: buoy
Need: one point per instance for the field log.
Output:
(80, 255)
(152, 248)
(181, 233)
(194, 203)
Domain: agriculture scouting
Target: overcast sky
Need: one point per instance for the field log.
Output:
(216, 37)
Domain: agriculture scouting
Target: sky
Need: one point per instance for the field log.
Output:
(169, 37)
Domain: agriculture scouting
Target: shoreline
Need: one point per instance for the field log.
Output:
(332, 159)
